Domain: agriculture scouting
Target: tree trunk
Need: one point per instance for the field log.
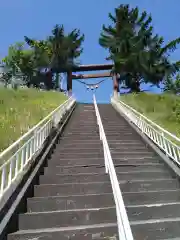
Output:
(57, 81)
(48, 82)
(135, 86)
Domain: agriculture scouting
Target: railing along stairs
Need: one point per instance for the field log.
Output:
(124, 228)
(22, 152)
(167, 142)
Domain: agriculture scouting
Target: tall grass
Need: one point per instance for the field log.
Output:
(20, 110)
(163, 109)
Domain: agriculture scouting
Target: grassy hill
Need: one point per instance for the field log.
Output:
(163, 109)
(22, 109)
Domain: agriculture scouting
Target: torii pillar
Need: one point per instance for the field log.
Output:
(115, 86)
(69, 83)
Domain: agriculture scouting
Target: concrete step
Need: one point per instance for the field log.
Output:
(82, 127)
(151, 197)
(126, 144)
(164, 229)
(108, 125)
(55, 203)
(66, 218)
(84, 113)
(115, 131)
(122, 138)
(85, 133)
(90, 232)
(97, 177)
(79, 127)
(80, 119)
(80, 134)
(81, 131)
(112, 145)
(132, 151)
(74, 169)
(87, 113)
(72, 189)
(73, 178)
(99, 149)
(135, 154)
(87, 141)
(129, 148)
(98, 145)
(120, 134)
(84, 130)
(114, 154)
(118, 137)
(100, 160)
(104, 187)
(83, 124)
(44, 204)
(79, 155)
(75, 162)
(149, 185)
(85, 116)
(111, 141)
(80, 137)
(101, 169)
(153, 212)
(125, 141)
(86, 125)
(80, 145)
(84, 121)
(79, 150)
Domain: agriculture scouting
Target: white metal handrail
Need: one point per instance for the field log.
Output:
(20, 153)
(124, 228)
(161, 137)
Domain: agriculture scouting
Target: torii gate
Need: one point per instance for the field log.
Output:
(94, 67)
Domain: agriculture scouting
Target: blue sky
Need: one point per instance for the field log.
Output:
(35, 18)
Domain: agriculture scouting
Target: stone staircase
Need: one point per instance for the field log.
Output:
(74, 197)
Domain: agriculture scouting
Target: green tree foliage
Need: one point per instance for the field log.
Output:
(42, 52)
(19, 61)
(172, 85)
(65, 48)
(18, 56)
(138, 55)
(57, 53)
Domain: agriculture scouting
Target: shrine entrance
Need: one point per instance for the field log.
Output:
(95, 67)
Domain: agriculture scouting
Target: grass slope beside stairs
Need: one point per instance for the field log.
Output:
(22, 109)
(163, 109)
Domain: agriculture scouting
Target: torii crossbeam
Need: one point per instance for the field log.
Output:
(96, 75)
